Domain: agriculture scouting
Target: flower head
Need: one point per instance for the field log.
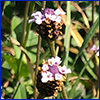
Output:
(39, 17)
(49, 23)
(51, 69)
(51, 75)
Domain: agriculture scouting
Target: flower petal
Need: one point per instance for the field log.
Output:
(59, 12)
(45, 67)
(58, 76)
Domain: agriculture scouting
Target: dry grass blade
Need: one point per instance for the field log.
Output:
(7, 49)
(80, 24)
(98, 93)
(82, 13)
(29, 63)
(87, 80)
(73, 50)
(75, 34)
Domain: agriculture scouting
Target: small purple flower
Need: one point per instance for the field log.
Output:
(54, 69)
(47, 12)
(37, 18)
(94, 48)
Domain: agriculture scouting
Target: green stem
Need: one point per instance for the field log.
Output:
(52, 48)
(67, 43)
(18, 84)
(53, 54)
(67, 34)
(23, 37)
(32, 5)
(25, 21)
(37, 63)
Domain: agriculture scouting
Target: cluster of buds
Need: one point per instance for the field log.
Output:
(51, 76)
(49, 23)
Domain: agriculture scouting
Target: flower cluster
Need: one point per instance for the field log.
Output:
(48, 22)
(94, 48)
(51, 70)
(39, 17)
(51, 75)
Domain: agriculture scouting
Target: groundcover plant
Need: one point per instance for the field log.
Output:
(49, 49)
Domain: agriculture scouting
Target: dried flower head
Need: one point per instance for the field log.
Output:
(49, 23)
(51, 75)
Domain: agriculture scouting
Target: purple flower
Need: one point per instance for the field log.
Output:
(39, 17)
(54, 69)
(51, 70)
(47, 12)
(94, 48)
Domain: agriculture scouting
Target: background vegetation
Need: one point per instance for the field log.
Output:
(82, 19)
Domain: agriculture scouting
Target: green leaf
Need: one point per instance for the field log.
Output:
(88, 68)
(15, 22)
(77, 94)
(72, 92)
(21, 92)
(87, 39)
(24, 72)
(14, 63)
(11, 62)
(32, 39)
(38, 3)
(9, 89)
(16, 27)
(5, 74)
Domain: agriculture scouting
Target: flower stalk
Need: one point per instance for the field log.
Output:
(52, 48)
(37, 64)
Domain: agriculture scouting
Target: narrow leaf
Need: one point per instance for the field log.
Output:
(88, 38)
